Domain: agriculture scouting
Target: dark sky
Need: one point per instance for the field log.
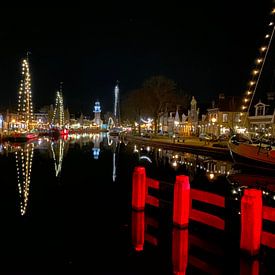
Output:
(207, 47)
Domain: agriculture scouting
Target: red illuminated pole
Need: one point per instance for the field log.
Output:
(179, 251)
(138, 229)
(249, 267)
(181, 201)
(139, 188)
(251, 221)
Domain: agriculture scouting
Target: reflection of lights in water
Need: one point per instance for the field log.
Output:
(135, 149)
(23, 160)
(146, 158)
(58, 154)
(96, 149)
(211, 176)
(114, 167)
(96, 152)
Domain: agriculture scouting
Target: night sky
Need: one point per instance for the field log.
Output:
(206, 47)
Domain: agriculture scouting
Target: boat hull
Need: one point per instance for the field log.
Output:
(21, 137)
(253, 155)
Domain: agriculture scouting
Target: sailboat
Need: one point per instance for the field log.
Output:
(26, 124)
(58, 121)
(258, 153)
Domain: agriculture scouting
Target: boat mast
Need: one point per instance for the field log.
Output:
(25, 109)
(257, 70)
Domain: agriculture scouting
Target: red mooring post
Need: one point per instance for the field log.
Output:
(179, 251)
(251, 221)
(139, 188)
(181, 201)
(138, 229)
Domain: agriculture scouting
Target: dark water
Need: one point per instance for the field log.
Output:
(66, 208)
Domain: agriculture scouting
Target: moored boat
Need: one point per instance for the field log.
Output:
(259, 155)
(116, 131)
(21, 136)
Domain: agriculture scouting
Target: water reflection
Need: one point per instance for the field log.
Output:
(155, 242)
(114, 144)
(179, 251)
(23, 158)
(97, 139)
(58, 149)
(192, 163)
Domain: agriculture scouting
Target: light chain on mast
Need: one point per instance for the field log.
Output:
(25, 108)
(58, 114)
(258, 68)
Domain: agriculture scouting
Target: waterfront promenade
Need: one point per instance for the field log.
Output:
(188, 144)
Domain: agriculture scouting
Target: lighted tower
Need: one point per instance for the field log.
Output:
(25, 109)
(58, 114)
(116, 105)
(97, 111)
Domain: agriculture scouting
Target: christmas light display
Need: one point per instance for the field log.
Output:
(58, 155)
(58, 114)
(258, 68)
(25, 109)
(23, 159)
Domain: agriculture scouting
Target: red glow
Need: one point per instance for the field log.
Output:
(151, 239)
(251, 221)
(138, 228)
(268, 239)
(207, 197)
(204, 266)
(269, 213)
(151, 221)
(179, 250)
(206, 245)
(249, 267)
(152, 183)
(181, 201)
(139, 188)
(152, 201)
(207, 219)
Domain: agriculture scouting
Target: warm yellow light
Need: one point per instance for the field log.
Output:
(246, 99)
(251, 83)
(273, 11)
(255, 72)
(267, 36)
(249, 92)
(263, 49)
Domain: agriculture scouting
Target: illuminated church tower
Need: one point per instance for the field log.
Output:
(97, 110)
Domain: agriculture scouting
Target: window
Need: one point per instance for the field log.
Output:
(224, 117)
(260, 111)
(237, 117)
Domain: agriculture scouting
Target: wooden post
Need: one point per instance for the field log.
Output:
(251, 221)
(181, 202)
(139, 188)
